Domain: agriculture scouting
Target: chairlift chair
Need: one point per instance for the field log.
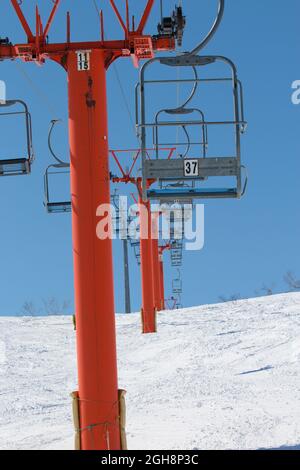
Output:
(137, 251)
(176, 238)
(176, 253)
(135, 244)
(178, 303)
(18, 165)
(182, 177)
(116, 219)
(55, 206)
(179, 178)
(177, 285)
(60, 167)
(176, 258)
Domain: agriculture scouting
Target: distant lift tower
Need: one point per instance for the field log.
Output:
(86, 64)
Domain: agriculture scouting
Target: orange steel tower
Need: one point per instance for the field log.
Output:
(150, 255)
(148, 310)
(156, 274)
(86, 64)
(158, 266)
(161, 276)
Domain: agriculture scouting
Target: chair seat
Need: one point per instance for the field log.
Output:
(15, 166)
(58, 207)
(194, 193)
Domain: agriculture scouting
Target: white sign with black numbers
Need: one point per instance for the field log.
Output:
(191, 168)
(83, 60)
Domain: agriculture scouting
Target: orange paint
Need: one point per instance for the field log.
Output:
(155, 263)
(93, 273)
(148, 303)
(90, 187)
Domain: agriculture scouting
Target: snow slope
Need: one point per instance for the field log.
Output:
(215, 377)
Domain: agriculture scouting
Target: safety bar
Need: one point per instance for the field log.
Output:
(242, 122)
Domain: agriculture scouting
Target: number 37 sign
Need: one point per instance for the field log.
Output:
(191, 168)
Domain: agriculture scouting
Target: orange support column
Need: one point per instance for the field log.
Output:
(155, 263)
(156, 274)
(94, 300)
(148, 303)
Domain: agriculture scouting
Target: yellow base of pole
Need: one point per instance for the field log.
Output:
(122, 419)
(76, 419)
(122, 411)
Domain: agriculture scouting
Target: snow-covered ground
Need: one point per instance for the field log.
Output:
(215, 377)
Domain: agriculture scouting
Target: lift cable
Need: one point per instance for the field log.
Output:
(96, 6)
(126, 104)
(42, 96)
(181, 106)
(119, 82)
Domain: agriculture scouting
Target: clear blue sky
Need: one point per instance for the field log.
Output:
(248, 243)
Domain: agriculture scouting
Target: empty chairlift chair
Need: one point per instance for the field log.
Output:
(178, 214)
(176, 253)
(115, 220)
(18, 165)
(183, 177)
(137, 252)
(55, 205)
(177, 285)
(120, 219)
(177, 290)
(176, 241)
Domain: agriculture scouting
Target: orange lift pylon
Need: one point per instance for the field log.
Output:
(148, 309)
(157, 265)
(162, 249)
(150, 288)
(86, 64)
(150, 267)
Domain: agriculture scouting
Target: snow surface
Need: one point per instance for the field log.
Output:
(221, 376)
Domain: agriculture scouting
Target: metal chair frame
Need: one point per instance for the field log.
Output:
(18, 166)
(163, 170)
(56, 207)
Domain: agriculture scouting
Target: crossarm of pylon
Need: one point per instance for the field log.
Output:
(145, 16)
(51, 17)
(23, 20)
(118, 15)
(113, 152)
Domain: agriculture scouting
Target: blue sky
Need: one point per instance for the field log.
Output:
(248, 243)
